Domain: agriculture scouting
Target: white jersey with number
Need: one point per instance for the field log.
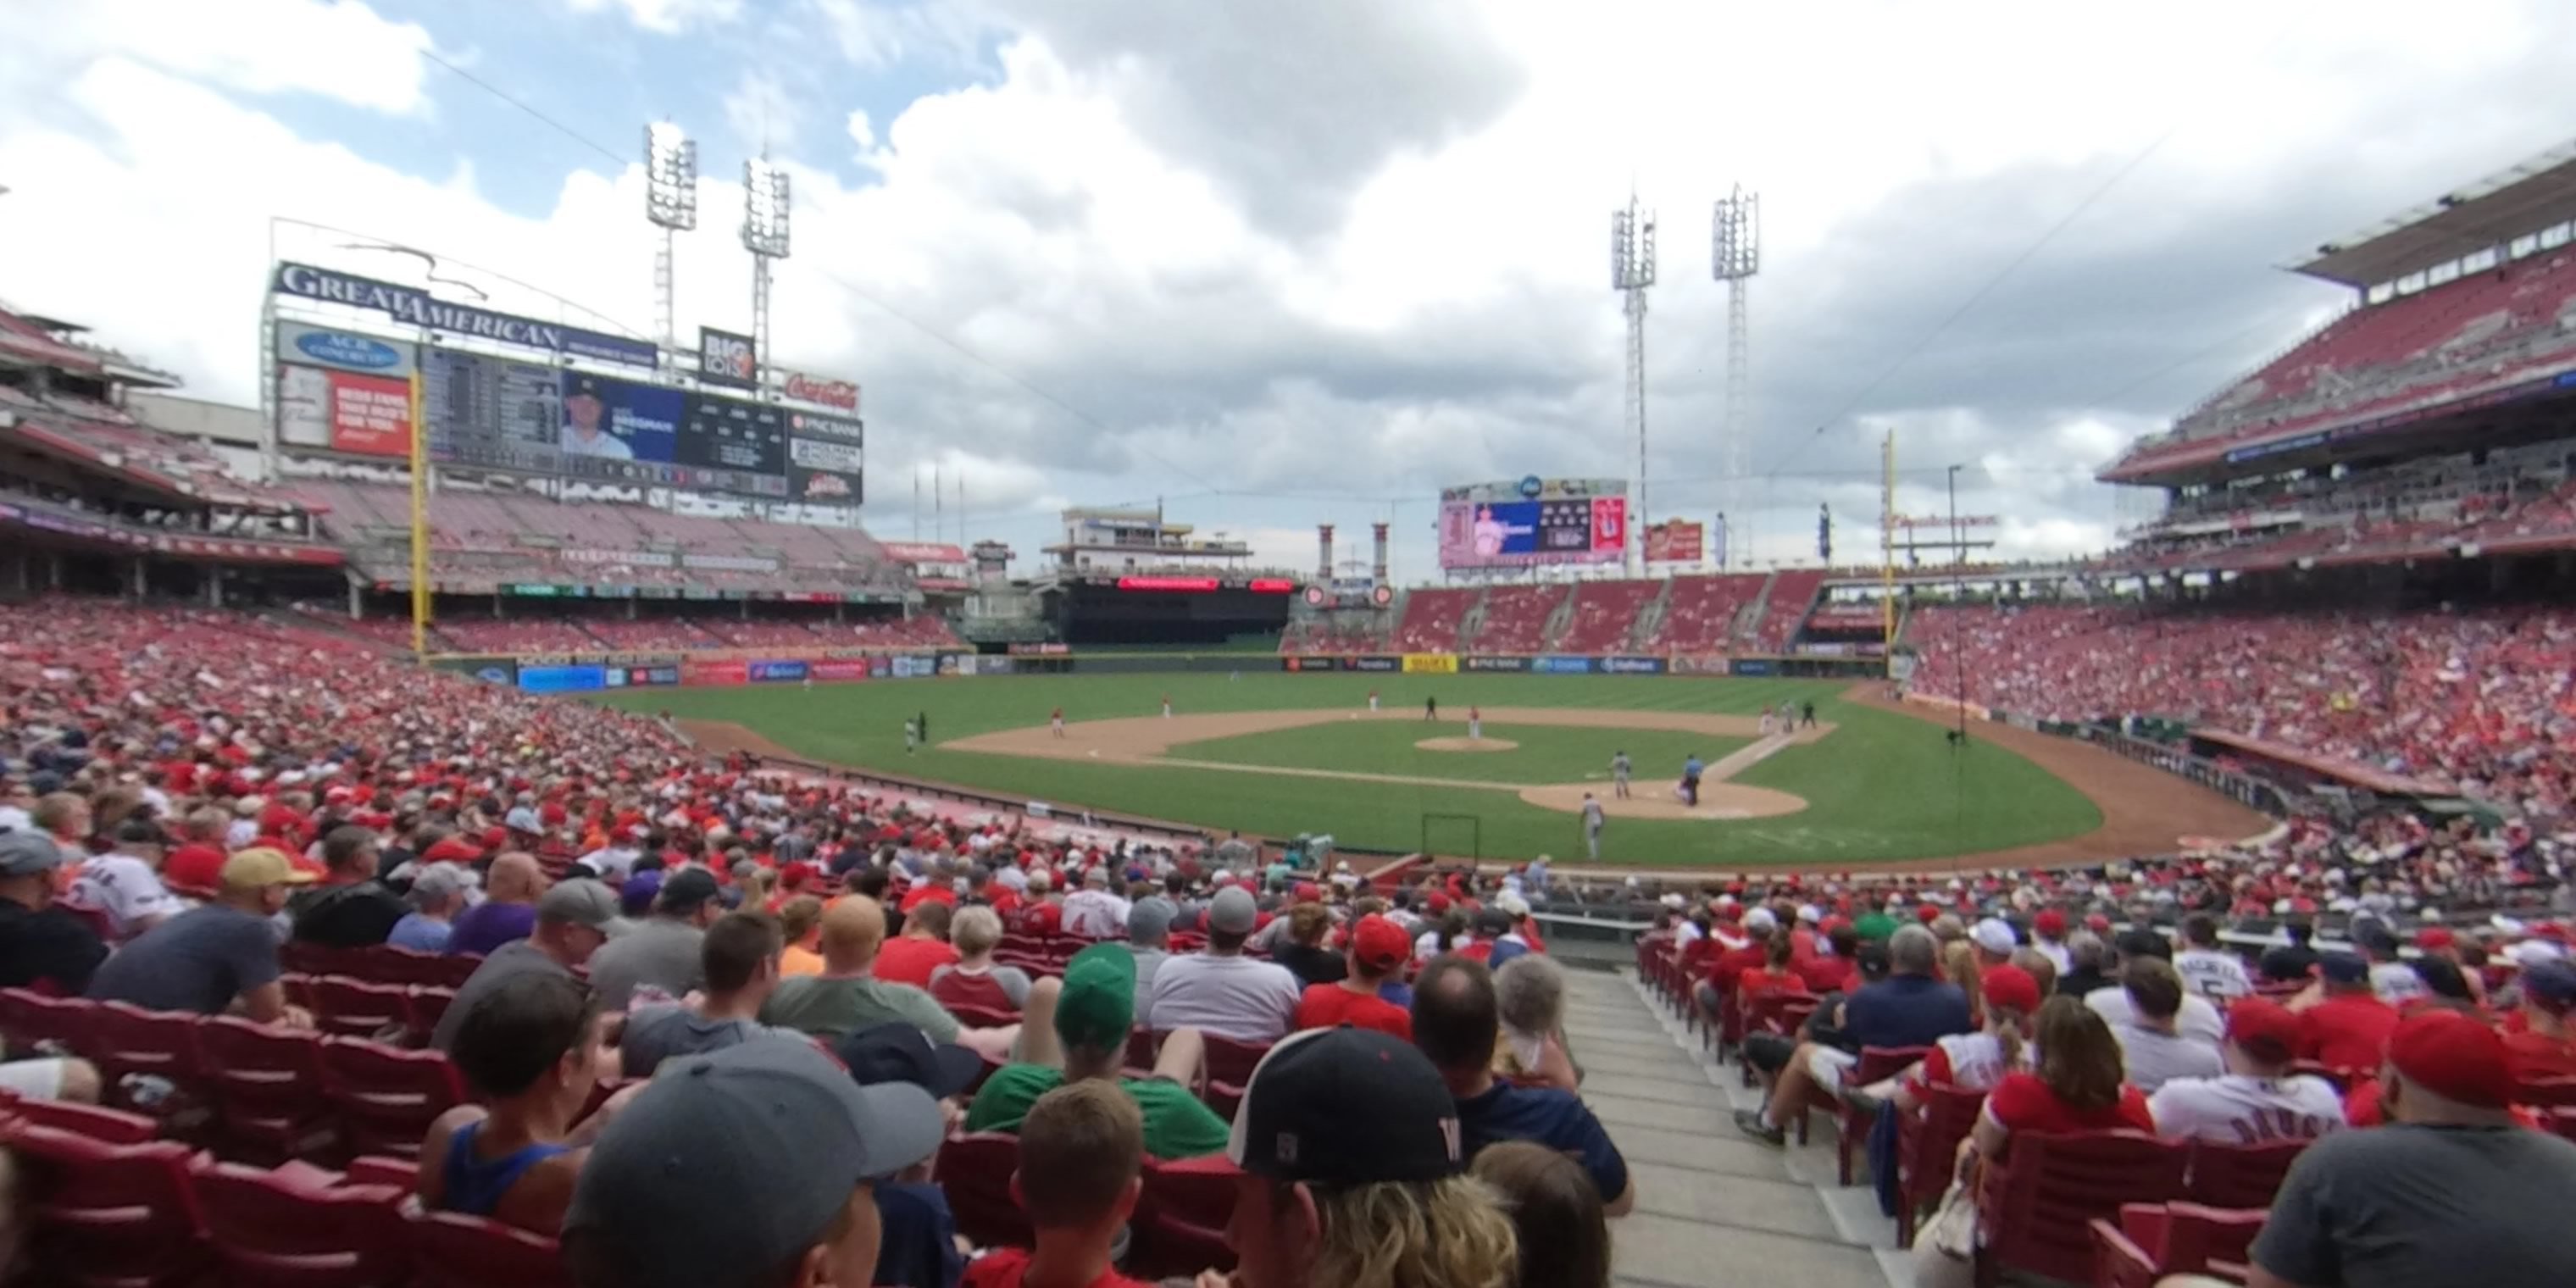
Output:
(2241, 1110)
(2212, 973)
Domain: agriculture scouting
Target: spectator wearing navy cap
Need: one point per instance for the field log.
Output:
(1456, 1023)
(775, 1135)
(1353, 1173)
(918, 1244)
(2347, 1027)
(2454, 1191)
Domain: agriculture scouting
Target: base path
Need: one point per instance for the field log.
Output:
(1143, 740)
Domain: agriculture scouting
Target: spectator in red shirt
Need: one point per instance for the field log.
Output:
(1839, 972)
(1082, 1152)
(2546, 1047)
(196, 867)
(1378, 949)
(922, 948)
(1775, 976)
(2348, 1027)
(1044, 915)
(1728, 967)
(940, 886)
(2078, 1085)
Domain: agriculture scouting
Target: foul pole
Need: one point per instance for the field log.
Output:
(1887, 548)
(419, 522)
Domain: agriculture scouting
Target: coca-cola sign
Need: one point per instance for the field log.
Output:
(829, 393)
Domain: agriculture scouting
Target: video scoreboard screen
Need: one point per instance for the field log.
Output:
(1533, 522)
(532, 418)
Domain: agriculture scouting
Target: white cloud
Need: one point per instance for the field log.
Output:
(340, 49)
(668, 17)
(763, 112)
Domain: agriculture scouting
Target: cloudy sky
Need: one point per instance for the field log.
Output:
(1287, 263)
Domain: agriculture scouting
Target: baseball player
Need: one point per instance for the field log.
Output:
(1167, 706)
(1619, 774)
(1475, 723)
(1372, 702)
(912, 736)
(1056, 722)
(1592, 822)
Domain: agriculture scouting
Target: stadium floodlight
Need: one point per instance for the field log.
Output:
(1735, 256)
(1632, 270)
(765, 200)
(671, 204)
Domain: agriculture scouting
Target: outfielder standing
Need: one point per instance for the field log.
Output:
(1592, 823)
(1619, 774)
(1475, 723)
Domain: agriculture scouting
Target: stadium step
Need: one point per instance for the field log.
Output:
(1711, 1204)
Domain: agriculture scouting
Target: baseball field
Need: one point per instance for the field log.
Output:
(1279, 754)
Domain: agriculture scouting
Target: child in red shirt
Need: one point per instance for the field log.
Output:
(1082, 1150)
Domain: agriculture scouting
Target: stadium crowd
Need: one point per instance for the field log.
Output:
(2482, 702)
(795, 996)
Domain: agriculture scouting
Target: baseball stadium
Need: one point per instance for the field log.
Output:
(561, 612)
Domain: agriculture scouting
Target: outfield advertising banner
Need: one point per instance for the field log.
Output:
(343, 411)
(1305, 664)
(774, 672)
(1495, 664)
(1561, 665)
(724, 672)
(1701, 664)
(417, 307)
(1755, 666)
(904, 666)
(1431, 664)
(642, 676)
(1375, 664)
(1632, 665)
(562, 679)
(491, 668)
(848, 668)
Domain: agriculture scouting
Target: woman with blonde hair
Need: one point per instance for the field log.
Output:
(973, 980)
(1959, 966)
(1977, 1061)
(800, 925)
(1529, 1000)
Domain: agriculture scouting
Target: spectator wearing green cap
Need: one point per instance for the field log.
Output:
(1092, 1018)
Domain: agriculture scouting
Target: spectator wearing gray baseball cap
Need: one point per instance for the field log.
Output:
(781, 1138)
(40, 943)
(573, 920)
(1220, 990)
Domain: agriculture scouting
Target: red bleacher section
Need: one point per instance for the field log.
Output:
(1431, 620)
(1784, 606)
(1516, 618)
(1605, 615)
(1700, 615)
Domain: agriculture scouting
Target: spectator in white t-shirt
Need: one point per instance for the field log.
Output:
(124, 884)
(2151, 1050)
(2207, 969)
(1220, 990)
(1092, 912)
(2198, 1018)
(2257, 1099)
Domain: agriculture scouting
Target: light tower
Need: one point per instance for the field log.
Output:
(764, 234)
(1632, 270)
(1736, 256)
(671, 204)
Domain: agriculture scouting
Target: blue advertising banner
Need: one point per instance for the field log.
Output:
(1755, 666)
(770, 671)
(1633, 665)
(1473, 663)
(419, 308)
(562, 679)
(1561, 665)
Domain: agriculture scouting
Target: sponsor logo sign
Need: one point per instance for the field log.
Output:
(714, 671)
(562, 679)
(727, 358)
(1755, 666)
(817, 389)
(1633, 665)
(1561, 665)
(765, 672)
(1700, 664)
(854, 668)
(419, 308)
(1375, 664)
(1302, 664)
(905, 666)
(343, 411)
(345, 350)
(1496, 664)
(1431, 663)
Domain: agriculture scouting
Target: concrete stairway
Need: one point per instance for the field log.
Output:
(1712, 1207)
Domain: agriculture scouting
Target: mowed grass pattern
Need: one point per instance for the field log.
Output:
(1883, 788)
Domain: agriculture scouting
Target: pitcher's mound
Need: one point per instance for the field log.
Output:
(1466, 744)
(1659, 801)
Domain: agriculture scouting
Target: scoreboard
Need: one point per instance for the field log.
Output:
(1533, 522)
(533, 418)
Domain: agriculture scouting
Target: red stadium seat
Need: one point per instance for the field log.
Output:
(983, 1017)
(2546, 1093)
(1877, 1064)
(29, 1017)
(267, 1085)
(1927, 1143)
(387, 1096)
(975, 1171)
(2148, 1241)
(453, 1250)
(2241, 1176)
(127, 1040)
(114, 1126)
(355, 1008)
(1231, 1061)
(377, 1169)
(428, 1004)
(110, 1216)
(2035, 1205)
(292, 1229)
(1181, 1217)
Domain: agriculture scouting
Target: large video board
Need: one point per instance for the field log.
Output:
(1533, 521)
(534, 418)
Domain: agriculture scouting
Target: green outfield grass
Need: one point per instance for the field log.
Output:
(1882, 787)
(1546, 754)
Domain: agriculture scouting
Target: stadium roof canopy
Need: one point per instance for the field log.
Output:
(2482, 215)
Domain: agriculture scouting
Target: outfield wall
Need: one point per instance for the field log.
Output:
(716, 668)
